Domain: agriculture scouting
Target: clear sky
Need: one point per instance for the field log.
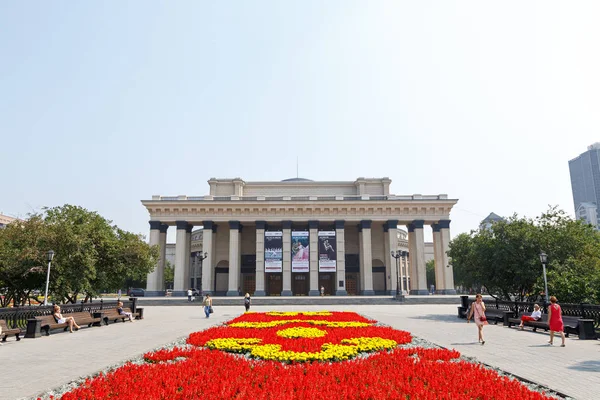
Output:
(103, 104)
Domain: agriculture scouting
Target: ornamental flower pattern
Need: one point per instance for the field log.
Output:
(206, 369)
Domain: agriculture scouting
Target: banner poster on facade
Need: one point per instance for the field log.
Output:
(273, 251)
(327, 251)
(300, 251)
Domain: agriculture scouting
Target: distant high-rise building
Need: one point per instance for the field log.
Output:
(585, 182)
(489, 220)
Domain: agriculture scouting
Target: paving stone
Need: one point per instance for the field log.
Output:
(37, 365)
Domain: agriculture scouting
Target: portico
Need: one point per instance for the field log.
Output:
(297, 236)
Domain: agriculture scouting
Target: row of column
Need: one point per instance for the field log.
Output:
(441, 238)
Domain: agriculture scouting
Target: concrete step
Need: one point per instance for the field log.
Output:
(302, 300)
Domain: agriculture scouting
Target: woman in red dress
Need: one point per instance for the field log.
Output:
(555, 321)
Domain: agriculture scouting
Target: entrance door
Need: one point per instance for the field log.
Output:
(249, 284)
(300, 284)
(352, 283)
(327, 280)
(274, 284)
(379, 286)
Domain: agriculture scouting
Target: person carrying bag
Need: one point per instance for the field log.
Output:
(477, 311)
(207, 303)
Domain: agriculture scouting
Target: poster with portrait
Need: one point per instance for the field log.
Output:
(300, 251)
(327, 251)
(273, 251)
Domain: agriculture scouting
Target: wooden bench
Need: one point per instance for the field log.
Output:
(9, 332)
(571, 324)
(493, 315)
(81, 318)
(114, 316)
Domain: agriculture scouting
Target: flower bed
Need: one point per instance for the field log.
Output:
(301, 359)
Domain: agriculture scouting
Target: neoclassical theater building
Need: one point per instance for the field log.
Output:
(298, 237)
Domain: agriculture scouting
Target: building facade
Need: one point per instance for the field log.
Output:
(5, 220)
(297, 236)
(585, 183)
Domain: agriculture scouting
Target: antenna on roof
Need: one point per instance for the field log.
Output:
(297, 176)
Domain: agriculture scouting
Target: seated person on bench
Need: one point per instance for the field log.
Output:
(535, 316)
(123, 312)
(58, 317)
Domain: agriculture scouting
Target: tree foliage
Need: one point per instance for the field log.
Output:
(430, 272)
(91, 255)
(504, 259)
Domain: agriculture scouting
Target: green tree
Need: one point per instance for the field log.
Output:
(22, 260)
(91, 254)
(505, 258)
(430, 273)
(169, 274)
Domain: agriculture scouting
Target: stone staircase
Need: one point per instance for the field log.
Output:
(303, 300)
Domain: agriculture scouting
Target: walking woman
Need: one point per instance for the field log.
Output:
(207, 305)
(478, 313)
(555, 321)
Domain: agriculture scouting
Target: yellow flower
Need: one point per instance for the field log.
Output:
(329, 324)
(295, 313)
(301, 332)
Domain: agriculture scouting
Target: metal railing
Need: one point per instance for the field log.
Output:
(16, 317)
(583, 310)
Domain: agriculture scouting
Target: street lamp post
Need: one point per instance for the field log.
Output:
(50, 256)
(544, 259)
(397, 255)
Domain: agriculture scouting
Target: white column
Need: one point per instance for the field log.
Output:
(287, 259)
(180, 285)
(419, 258)
(152, 277)
(366, 259)
(404, 273)
(447, 267)
(340, 242)
(390, 284)
(260, 259)
(207, 263)
(160, 278)
(188, 259)
(234, 258)
(412, 253)
(438, 259)
(313, 229)
(392, 245)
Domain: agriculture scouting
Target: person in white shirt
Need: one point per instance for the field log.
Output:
(189, 294)
(536, 315)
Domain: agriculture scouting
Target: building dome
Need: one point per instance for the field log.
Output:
(297, 180)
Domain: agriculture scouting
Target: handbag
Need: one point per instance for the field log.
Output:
(482, 317)
(210, 310)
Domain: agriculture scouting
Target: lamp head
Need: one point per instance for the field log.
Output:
(50, 255)
(543, 257)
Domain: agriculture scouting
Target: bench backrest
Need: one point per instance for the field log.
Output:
(46, 319)
(79, 315)
(114, 310)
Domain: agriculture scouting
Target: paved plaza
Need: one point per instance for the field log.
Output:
(33, 366)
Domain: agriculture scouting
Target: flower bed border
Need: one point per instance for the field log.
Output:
(181, 342)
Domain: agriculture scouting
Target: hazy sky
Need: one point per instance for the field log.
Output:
(103, 104)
